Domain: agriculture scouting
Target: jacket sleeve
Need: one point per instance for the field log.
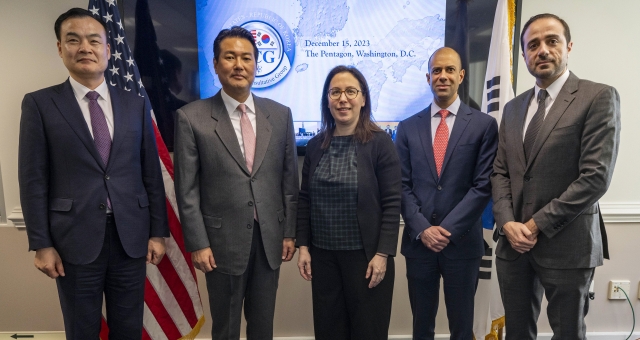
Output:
(414, 220)
(187, 181)
(33, 175)
(388, 174)
(501, 181)
(303, 228)
(290, 180)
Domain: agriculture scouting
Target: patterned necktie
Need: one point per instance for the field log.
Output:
(101, 136)
(441, 140)
(535, 124)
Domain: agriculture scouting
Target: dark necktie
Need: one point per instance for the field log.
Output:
(535, 124)
(441, 140)
(100, 129)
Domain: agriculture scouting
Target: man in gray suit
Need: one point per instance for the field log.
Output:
(555, 160)
(237, 190)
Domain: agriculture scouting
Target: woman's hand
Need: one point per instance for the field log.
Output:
(304, 263)
(376, 269)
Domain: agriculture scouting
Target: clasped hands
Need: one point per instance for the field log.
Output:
(435, 238)
(522, 236)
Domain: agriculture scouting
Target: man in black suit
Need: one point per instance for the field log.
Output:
(90, 186)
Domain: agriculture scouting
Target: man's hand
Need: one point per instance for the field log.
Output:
(156, 250)
(288, 249)
(376, 269)
(435, 238)
(49, 262)
(533, 228)
(520, 237)
(304, 263)
(203, 259)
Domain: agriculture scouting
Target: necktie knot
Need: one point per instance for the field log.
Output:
(242, 108)
(92, 95)
(444, 113)
(542, 95)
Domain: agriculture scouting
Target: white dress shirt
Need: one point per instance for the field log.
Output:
(80, 91)
(552, 90)
(232, 108)
(451, 118)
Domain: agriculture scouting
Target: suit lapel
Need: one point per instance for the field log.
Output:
(119, 124)
(263, 134)
(462, 120)
(521, 115)
(424, 131)
(560, 105)
(226, 132)
(68, 106)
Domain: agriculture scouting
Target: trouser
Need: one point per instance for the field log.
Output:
(344, 307)
(255, 289)
(116, 275)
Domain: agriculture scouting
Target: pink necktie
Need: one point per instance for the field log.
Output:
(441, 140)
(248, 137)
(249, 142)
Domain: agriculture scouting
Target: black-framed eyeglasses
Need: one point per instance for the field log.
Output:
(335, 93)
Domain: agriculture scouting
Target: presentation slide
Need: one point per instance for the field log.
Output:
(300, 41)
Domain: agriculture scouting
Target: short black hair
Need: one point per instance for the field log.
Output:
(567, 32)
(76, 13)
(234, 32)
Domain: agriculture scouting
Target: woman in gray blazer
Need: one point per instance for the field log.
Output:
(349, 214)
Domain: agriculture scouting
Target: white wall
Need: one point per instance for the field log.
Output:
(605, 50)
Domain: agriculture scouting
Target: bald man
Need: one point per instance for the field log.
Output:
(447, 152)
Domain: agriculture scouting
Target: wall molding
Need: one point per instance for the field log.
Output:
(628, 212)
(16, 217)
(541, 336)
(611, 213)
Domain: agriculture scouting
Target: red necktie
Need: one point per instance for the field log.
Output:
(441, 140)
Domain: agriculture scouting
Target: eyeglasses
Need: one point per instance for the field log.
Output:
(335, 93)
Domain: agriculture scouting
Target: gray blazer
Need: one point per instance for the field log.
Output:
(570, 168)
(215, 192)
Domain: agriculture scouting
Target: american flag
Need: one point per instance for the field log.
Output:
(172, 306)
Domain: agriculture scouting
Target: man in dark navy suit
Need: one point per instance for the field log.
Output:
(447, 153)
(91, 187)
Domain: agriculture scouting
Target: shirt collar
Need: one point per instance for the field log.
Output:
(231, 104)
(453, 108)
(81, 91)
(553, 90)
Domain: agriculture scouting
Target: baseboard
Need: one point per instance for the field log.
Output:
(541, 336)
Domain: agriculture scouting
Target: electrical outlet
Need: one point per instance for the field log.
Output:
(615, 293)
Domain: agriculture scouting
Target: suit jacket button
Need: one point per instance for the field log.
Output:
(433, 216)
(527, 178)
(249, 226)
(439, 188)
(250, 204)
(101, 206)
(253, 179)
(106, 177)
